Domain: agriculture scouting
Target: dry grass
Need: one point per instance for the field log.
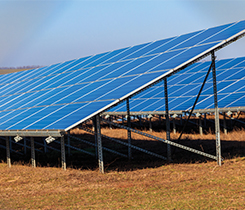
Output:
(192, 185)
(237, 135)
(174, 186)
(7, 71)
(232, 145)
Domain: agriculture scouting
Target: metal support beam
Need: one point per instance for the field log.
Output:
(95, 137)
(199, 115)
(4, 147)
(165, 141)
(174, 126)
(63, 153)
(167, 119)
(99, 142)
(110, 118)
(129, 132)
(159, 119)
(140, 121)
(205, 120)
(236, 120)
(89, 143)
(40, 144)
(45, 145)
(32, 133)
(150, 124)
(200, 126)
(200, 91)
(126, 144)
(224, 123)
(24, 145)
(231, 118)
(33, 158)
(217, 126)
(10, 143)
(69, 144)
(28, 147)
(8, 152)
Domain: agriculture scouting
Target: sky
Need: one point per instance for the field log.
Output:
(44, 32)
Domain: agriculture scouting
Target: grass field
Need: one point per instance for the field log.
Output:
(7, 71)
(193, 185)
(173, 186)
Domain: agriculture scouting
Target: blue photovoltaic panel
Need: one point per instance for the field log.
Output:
(62, 95)
(184, 86)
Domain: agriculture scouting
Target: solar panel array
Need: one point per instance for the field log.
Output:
(62, 95)
(184, 86)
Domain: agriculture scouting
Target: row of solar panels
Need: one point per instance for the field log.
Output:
(60, 96)
(184, 86)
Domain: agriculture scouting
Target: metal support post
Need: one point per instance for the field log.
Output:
(63, 153)
(24, 145)
(224, 123)
(140, 121)
(10, 143)
(150, 122)
(95, 136)
(45, 145)
(33, 158)
(205, 120)
(129, 132)
(8, 152)
(217, 126)
(110, 118)
(167, 119)
(69, 144)
(174, 126)
(231, 118)
(200, 126)
(99, 142)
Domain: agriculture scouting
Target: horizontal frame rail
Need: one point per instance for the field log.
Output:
(171, 112)
(37, 143)
(19, 153)
(18, 143)
(75, 148)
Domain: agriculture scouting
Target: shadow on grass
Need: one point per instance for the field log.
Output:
(79, 160)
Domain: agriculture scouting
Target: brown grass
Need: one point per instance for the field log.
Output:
(238, 135)
(8, 71)
(232, 145)
(143, 185)
(173, 186)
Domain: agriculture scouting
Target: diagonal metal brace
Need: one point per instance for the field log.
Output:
(163, 140)
(92, 144)
(126, 144)
(200, 91)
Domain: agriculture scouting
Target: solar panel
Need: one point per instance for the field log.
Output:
(184, 86)
(60, 96)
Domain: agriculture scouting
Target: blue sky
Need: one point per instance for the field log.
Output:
(51, 31)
